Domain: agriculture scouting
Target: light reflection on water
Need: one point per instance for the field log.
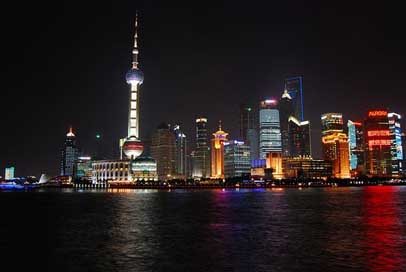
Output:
(312, 229)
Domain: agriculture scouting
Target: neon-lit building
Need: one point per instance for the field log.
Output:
(269, 128)
(331, 122)
(237, 159)
(294, 87)
(336, 149)
(131, 146)
(378, 143)
(69, 154)
(9, 173)
(356, 144)
(396, 143)
(201, 158)
(111, 171)
(299, 139)
(163, 151)
(217, 153)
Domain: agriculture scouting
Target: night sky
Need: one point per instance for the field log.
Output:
(65, 64)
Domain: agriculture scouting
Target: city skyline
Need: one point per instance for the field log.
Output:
(83, 106)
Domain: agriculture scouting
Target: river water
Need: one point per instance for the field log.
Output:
(309, 229)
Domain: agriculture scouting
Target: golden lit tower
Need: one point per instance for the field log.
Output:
(217, 153)
(131, 145)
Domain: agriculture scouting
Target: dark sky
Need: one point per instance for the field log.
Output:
(65, 65)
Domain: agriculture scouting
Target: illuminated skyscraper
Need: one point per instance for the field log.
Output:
(299, 139)
(201, 159)
(70, 154)
(336, 150)
(237, 159)
(163, 151)
(217, 153)
(131, 145)
(356, 143)
(286, 110)
(331, 123)
(180, 152)
(269, 128)
(378, 143)
(294, 87)
(395, 133)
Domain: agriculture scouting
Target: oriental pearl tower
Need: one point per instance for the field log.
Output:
(131, 146)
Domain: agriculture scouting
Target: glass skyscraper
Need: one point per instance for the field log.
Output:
(269, 128)
(237, 159)
(201, 158)
(356, 144)
(395, 133)
(70, 154)
(294, 87)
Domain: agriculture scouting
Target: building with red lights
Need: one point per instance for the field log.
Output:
(378, 143)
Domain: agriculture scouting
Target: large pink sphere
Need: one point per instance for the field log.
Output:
(133, 148)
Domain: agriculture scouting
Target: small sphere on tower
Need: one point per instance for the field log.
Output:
(134, 76)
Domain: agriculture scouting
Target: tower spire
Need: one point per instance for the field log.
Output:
(219, 125)
(135, 49)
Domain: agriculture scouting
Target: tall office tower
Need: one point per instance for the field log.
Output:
(201, 160)
(249, 128)
(70, 154)
(217, 153)
(237, 159)
(331, 123)
(395, 133)
(285, 111)
(336, 150)
(131, 146)
(299, 139)
(378, 143)
(163, 151)
(356, 143)
(9, 173)
(180, 152)
(247, 120)
(269, 128)
(294, 87)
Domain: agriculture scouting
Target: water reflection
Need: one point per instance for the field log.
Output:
(384, 234)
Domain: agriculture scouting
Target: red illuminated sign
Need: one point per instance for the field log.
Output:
(377, 113)
(372, 133)
(379, 143)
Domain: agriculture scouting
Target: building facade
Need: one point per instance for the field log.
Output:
(395, 133)
(294, 87)
(331, 122)
(299, 138)
(217, 153)
(163, 151)
(237, 159)
(286, 110)
(181, 156)
(336, 149)
(307, 168)
(9, 173)
(249, 128)
(378, 143)
(201, 158)
(269, 128)
(70, 154)
(356, 145)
